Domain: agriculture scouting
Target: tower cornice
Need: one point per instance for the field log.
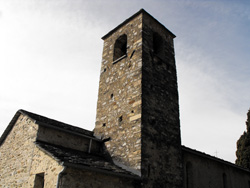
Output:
(141, 11)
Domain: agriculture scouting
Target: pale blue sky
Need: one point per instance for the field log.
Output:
(51, 55)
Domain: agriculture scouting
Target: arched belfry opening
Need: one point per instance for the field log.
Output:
(120, 47)
(157, 44)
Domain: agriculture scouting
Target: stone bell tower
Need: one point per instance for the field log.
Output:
(137, 108)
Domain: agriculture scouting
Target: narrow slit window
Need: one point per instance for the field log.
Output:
(120, 119)
(120, 47)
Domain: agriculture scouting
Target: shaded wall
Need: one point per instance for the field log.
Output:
(201, 170)
(68, 140)
(161, 141)
(86, 179)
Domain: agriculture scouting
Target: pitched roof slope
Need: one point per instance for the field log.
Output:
(42, 120)
(216, 159)
(82, 160)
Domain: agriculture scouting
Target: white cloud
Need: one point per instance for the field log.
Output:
(51, 55)
(208, 120)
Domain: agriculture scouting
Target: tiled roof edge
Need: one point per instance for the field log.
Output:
(79, 166)
(101, 170)
(47, 152)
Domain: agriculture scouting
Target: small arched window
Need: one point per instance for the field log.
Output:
(120, 47)
(157, 44)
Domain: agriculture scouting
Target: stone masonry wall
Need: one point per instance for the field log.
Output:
(21, 160)
(88, 179)
(43, 163)
(138, 102)
(161, 141)
(119, 98)
(16, 154)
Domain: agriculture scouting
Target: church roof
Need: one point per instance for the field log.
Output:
(42, 120)
(70, 157)
(47, 122)
(82, 160)
(216, 159)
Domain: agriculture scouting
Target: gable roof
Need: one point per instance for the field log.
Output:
(70, 157)
(47, 122)
(42, 120)
(82, 160)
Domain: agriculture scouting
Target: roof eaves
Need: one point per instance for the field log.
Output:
(68, 131)
(84, 167)
(132, 17)
(49, 153)
(101, 170)
(57, 128)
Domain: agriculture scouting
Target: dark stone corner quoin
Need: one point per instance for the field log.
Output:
(136, 141)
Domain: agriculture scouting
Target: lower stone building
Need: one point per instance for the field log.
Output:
(136, 141)
(39, 152)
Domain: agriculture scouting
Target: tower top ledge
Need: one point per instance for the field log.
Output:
(142, 11)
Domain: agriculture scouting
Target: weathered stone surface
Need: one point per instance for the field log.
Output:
(119, 99)
(161, 142)
(138, 102)
(17, 152)
(43, 163)
(40, 153)
(137, 118)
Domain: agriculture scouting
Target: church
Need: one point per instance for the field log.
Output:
(136, 141)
